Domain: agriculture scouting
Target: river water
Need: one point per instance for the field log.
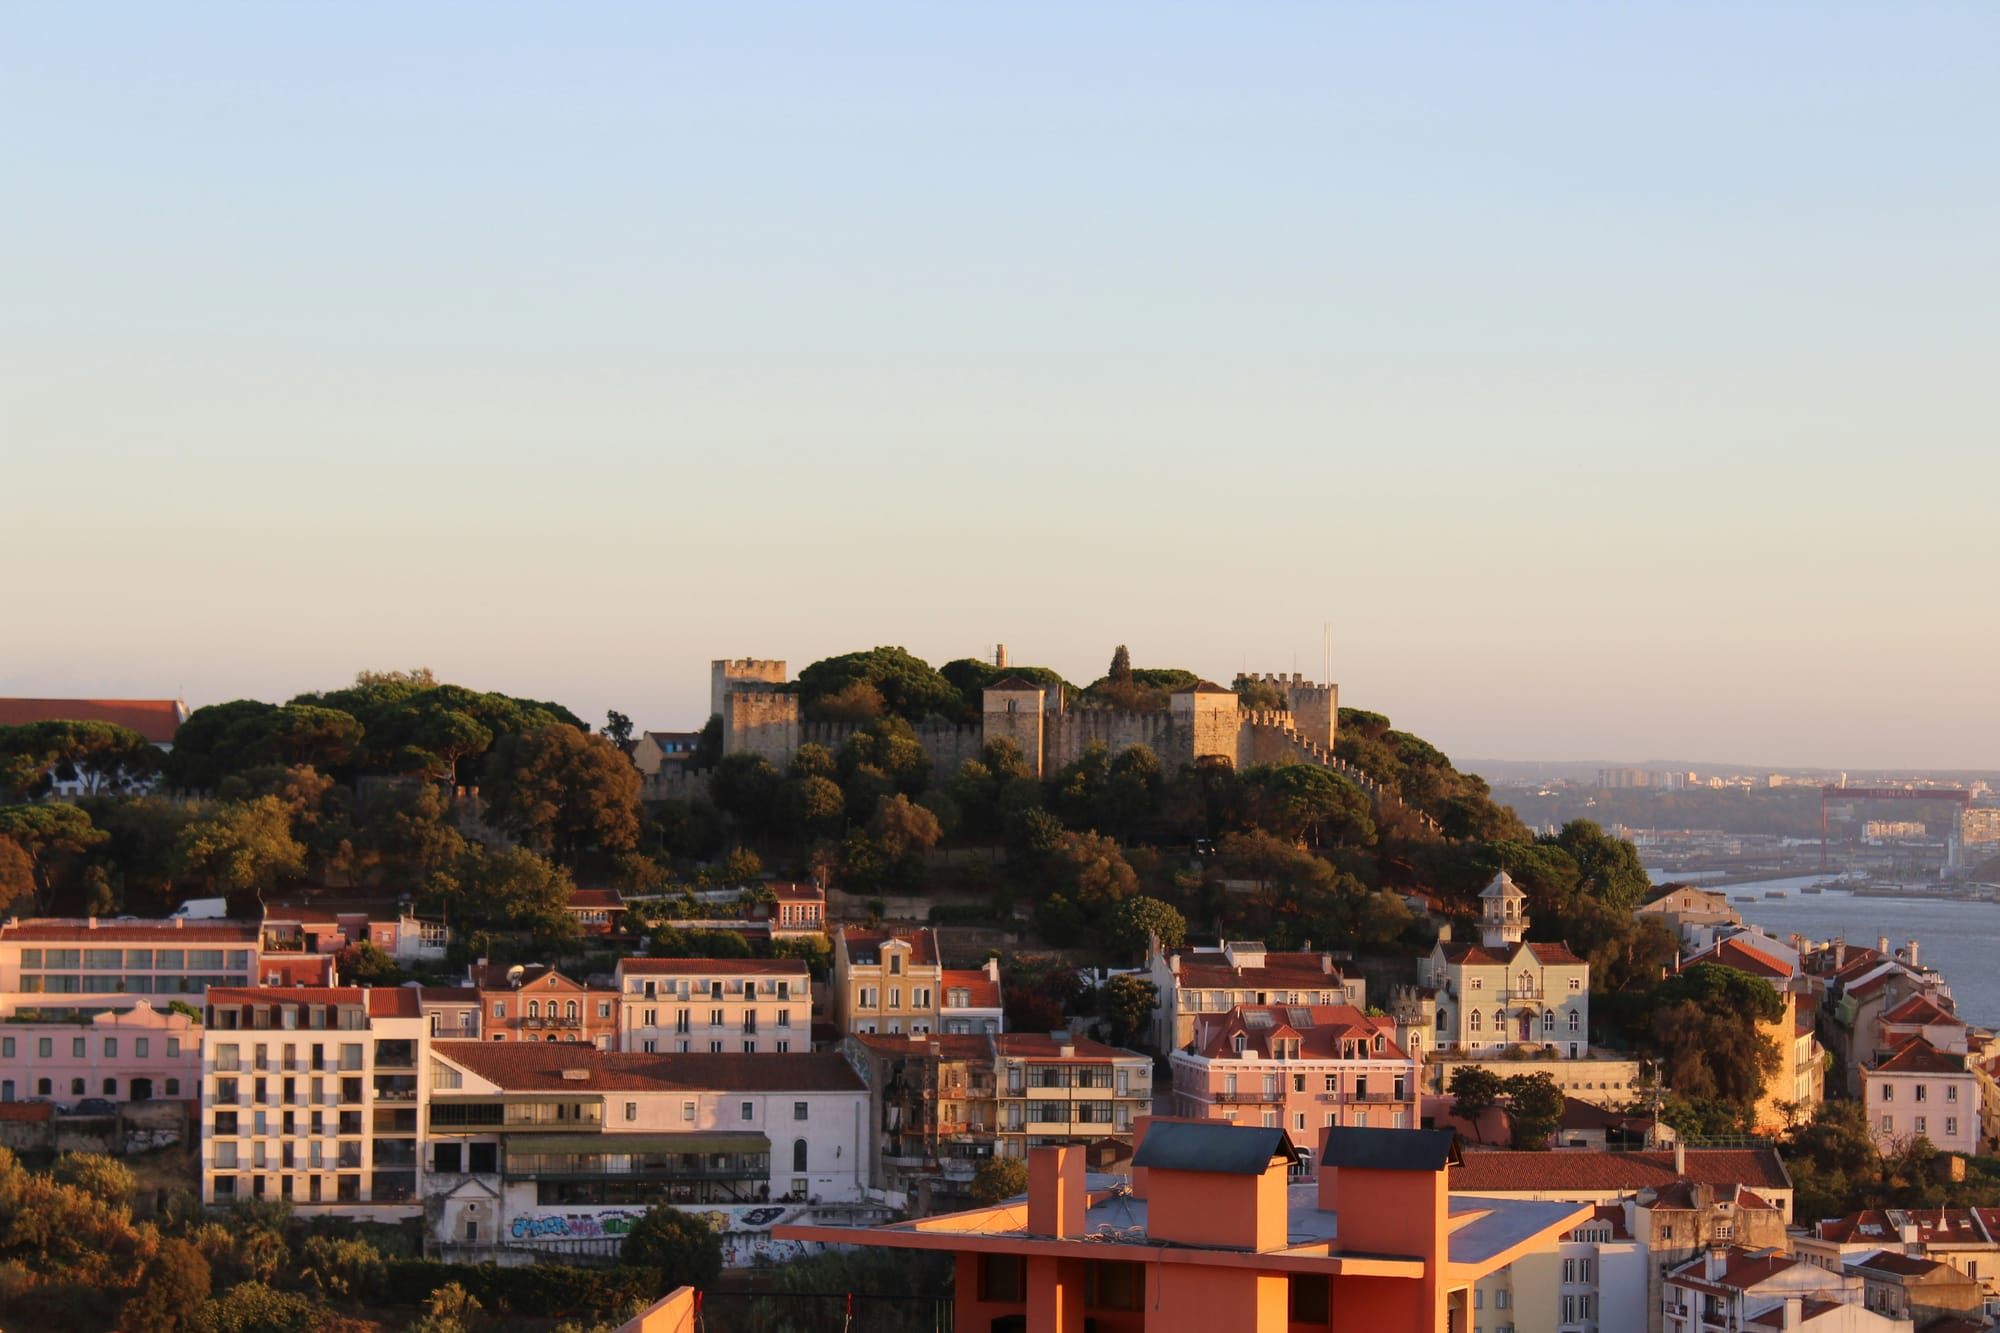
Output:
(1961, 940)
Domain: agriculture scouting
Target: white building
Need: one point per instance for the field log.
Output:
(533, 1145)
(1734, 1290)
(1503, 991)
(311, 1095)
(741, 1006)
(1920, 1091)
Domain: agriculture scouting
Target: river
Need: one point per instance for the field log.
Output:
(1959, 939)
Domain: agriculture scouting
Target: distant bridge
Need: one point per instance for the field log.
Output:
(1835, 795)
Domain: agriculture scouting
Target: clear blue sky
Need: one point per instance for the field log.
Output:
(1619, 381)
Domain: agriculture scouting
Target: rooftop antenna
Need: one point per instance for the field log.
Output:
(1326, 652)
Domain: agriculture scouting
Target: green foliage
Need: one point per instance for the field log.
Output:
(545, 1291)
(257, 1307)
(508, 890)
(1133, 920)
(341, 1266)
(1475, 1090)
(104, 757)
(999, 1179)
(562, 791)
(17, 880)
(1126, 1004)
(241, 846)
(1535, 1106)
(1702, 1022)
(364, 963)
(48, 835)
(1303, 803)
(908, 686)
(683, 1249)
(103, 1178)
(172, 1293)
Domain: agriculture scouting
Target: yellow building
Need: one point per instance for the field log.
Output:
(886, 981)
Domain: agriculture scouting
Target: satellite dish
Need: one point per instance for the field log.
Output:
(514, 975)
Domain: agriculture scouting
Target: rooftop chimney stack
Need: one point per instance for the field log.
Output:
(1913, 953)
(1680, 1160)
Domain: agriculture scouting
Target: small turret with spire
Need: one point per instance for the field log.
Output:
(1503, 913)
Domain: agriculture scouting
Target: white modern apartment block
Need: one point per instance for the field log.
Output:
(313, 1096)
(714, 1006)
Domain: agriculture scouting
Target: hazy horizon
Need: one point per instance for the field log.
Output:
(1613, 381)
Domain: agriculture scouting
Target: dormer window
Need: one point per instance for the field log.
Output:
(1238, 1043)
(895, 965)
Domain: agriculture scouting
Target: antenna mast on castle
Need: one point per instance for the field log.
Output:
(1326, 652)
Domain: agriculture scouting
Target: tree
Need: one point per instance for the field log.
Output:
(256, 1307)
(241, 846)
(682, 1248)
(322, 737)
(1703, 1021)
(1090, 869)
(101, 1177)
(1136, 919)
(172, 1294)
(1609, 867)
(908, 686)
(901, 827)
(47, 834)
(345, 1266)
(1475, 1090)
(17, 880)
(1309, 804)
(102, 756)
(617, 728)
(1121, 666)
(1126, 1003)
(364, 963)
(999, 1179)
(561, 790)
(1535, 1105)
(511, 889)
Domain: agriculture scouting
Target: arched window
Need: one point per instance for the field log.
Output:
(173, 1087)
(76, 1087)
(1573, 1017)
(1442, 1025)
(1474, 1023)
(1499, 1020)
(569, 1010)
(534, 1008)
(798, 1154)
(111, 1087)
(1527, 986)
(1548, 1020)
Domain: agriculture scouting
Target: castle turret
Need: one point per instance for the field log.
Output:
(1503, 914)
(1011, 708)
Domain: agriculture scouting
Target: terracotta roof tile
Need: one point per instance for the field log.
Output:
(582, 900)
(1917, 1056)
(715, 967)
(865, 946)
(1733, 953)
(1285, 971)
(946, 1045)
(1922, 1009)
(1514, 1172)
(155, 719)
(1043, 1046)
(173, 931)
(382, 1001)
(984, 991)
(1323, 1032)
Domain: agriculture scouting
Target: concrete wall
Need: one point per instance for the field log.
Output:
(742, 673)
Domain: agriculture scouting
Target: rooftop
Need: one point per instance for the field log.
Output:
(105, 930)
(1048, 1046)
(704, 967)
(155, 719)
(1521, 1172)
(865, 946)
(546, 1067)
(984, 991)
(381, 1001)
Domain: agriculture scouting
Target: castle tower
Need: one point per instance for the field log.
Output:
(1012, 708)
(1315, 709)
(742, 673)
(1208, 715)
(1503, 913)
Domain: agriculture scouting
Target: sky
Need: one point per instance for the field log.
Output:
(1615, 381)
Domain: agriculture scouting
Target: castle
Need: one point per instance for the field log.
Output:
(1203, 723)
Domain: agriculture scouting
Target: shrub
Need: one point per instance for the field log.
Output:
(683, 1248)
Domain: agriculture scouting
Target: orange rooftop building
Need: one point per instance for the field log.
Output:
(1213, 1234)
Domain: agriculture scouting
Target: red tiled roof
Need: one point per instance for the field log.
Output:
(1902, 1265)
(865, 946)
(587, 900)
(946, 1045)
(1584, 1115)
(26, 1113)
(1553, 954)
(1921, 1009)
(1809, 1310)
(540, 1066)
(1606, 1214)
(447, 995)
(1917, 1056)
(1043, 1046)
(798, 893)
(1516, 1172)
(1742, 1270)
(296, 969)
(1478, 955)
(155, 719)
(382, 1001)
(493, 976)
(1733, 953)
(716, 967)
(1212, 971)
(176, 930)
(1323, 1032)
(984, 990)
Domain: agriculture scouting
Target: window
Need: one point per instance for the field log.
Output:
(1548, 1020)
(604, 1008)
(1888, 1124)
(1951, 1126)
(173, 1087)
(1111, 1284)
(76, 1087)
(687, 1110)
(499, 1008)
(798, 1110)
(1479, 983)
(631, 1110)
(534, 1008)
(747, 1110)
(569, 1009)
(1888, 1092)
(1950, 1093)
(1576, 983)
(798, 1154)
(6, 1048)
(45, 1047)
(173, 1047)
(1299, 1120)
(895, 965)
(1922, 1092)
(1003, 1278)
(111, 1048)
(1310, 1298)
(1922, 1126)
(1473, 1020)
(1574, 1017)
(111, 1087)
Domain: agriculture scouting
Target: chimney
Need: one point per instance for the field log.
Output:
(1913, 953)
(1795, 1312)
(93, 923)
(1715, 1261)
(1680, 1160)
(1882, 945)
(1056, 1196)
(1839, 952)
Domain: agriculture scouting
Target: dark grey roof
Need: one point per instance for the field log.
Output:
(1212, 1145)
(1389, 1149)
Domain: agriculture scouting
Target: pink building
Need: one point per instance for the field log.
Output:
(118, 1055)
(1301, 1068)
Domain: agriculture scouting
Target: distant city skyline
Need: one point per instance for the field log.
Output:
(1616, 381)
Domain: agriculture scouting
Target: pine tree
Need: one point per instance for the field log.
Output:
(1121, 667)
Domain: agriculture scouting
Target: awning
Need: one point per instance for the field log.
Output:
(612, 1145)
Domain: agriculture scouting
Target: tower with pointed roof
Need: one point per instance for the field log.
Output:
(1503, 913)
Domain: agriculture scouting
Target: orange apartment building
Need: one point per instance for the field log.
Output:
(886, 981)
(1212, 1234)
(717, 1006)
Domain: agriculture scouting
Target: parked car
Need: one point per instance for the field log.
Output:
(94, 1106)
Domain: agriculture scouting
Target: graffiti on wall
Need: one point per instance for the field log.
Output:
(745, 1229)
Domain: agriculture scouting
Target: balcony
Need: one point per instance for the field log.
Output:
(551, 1022)
(1259, 1095)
